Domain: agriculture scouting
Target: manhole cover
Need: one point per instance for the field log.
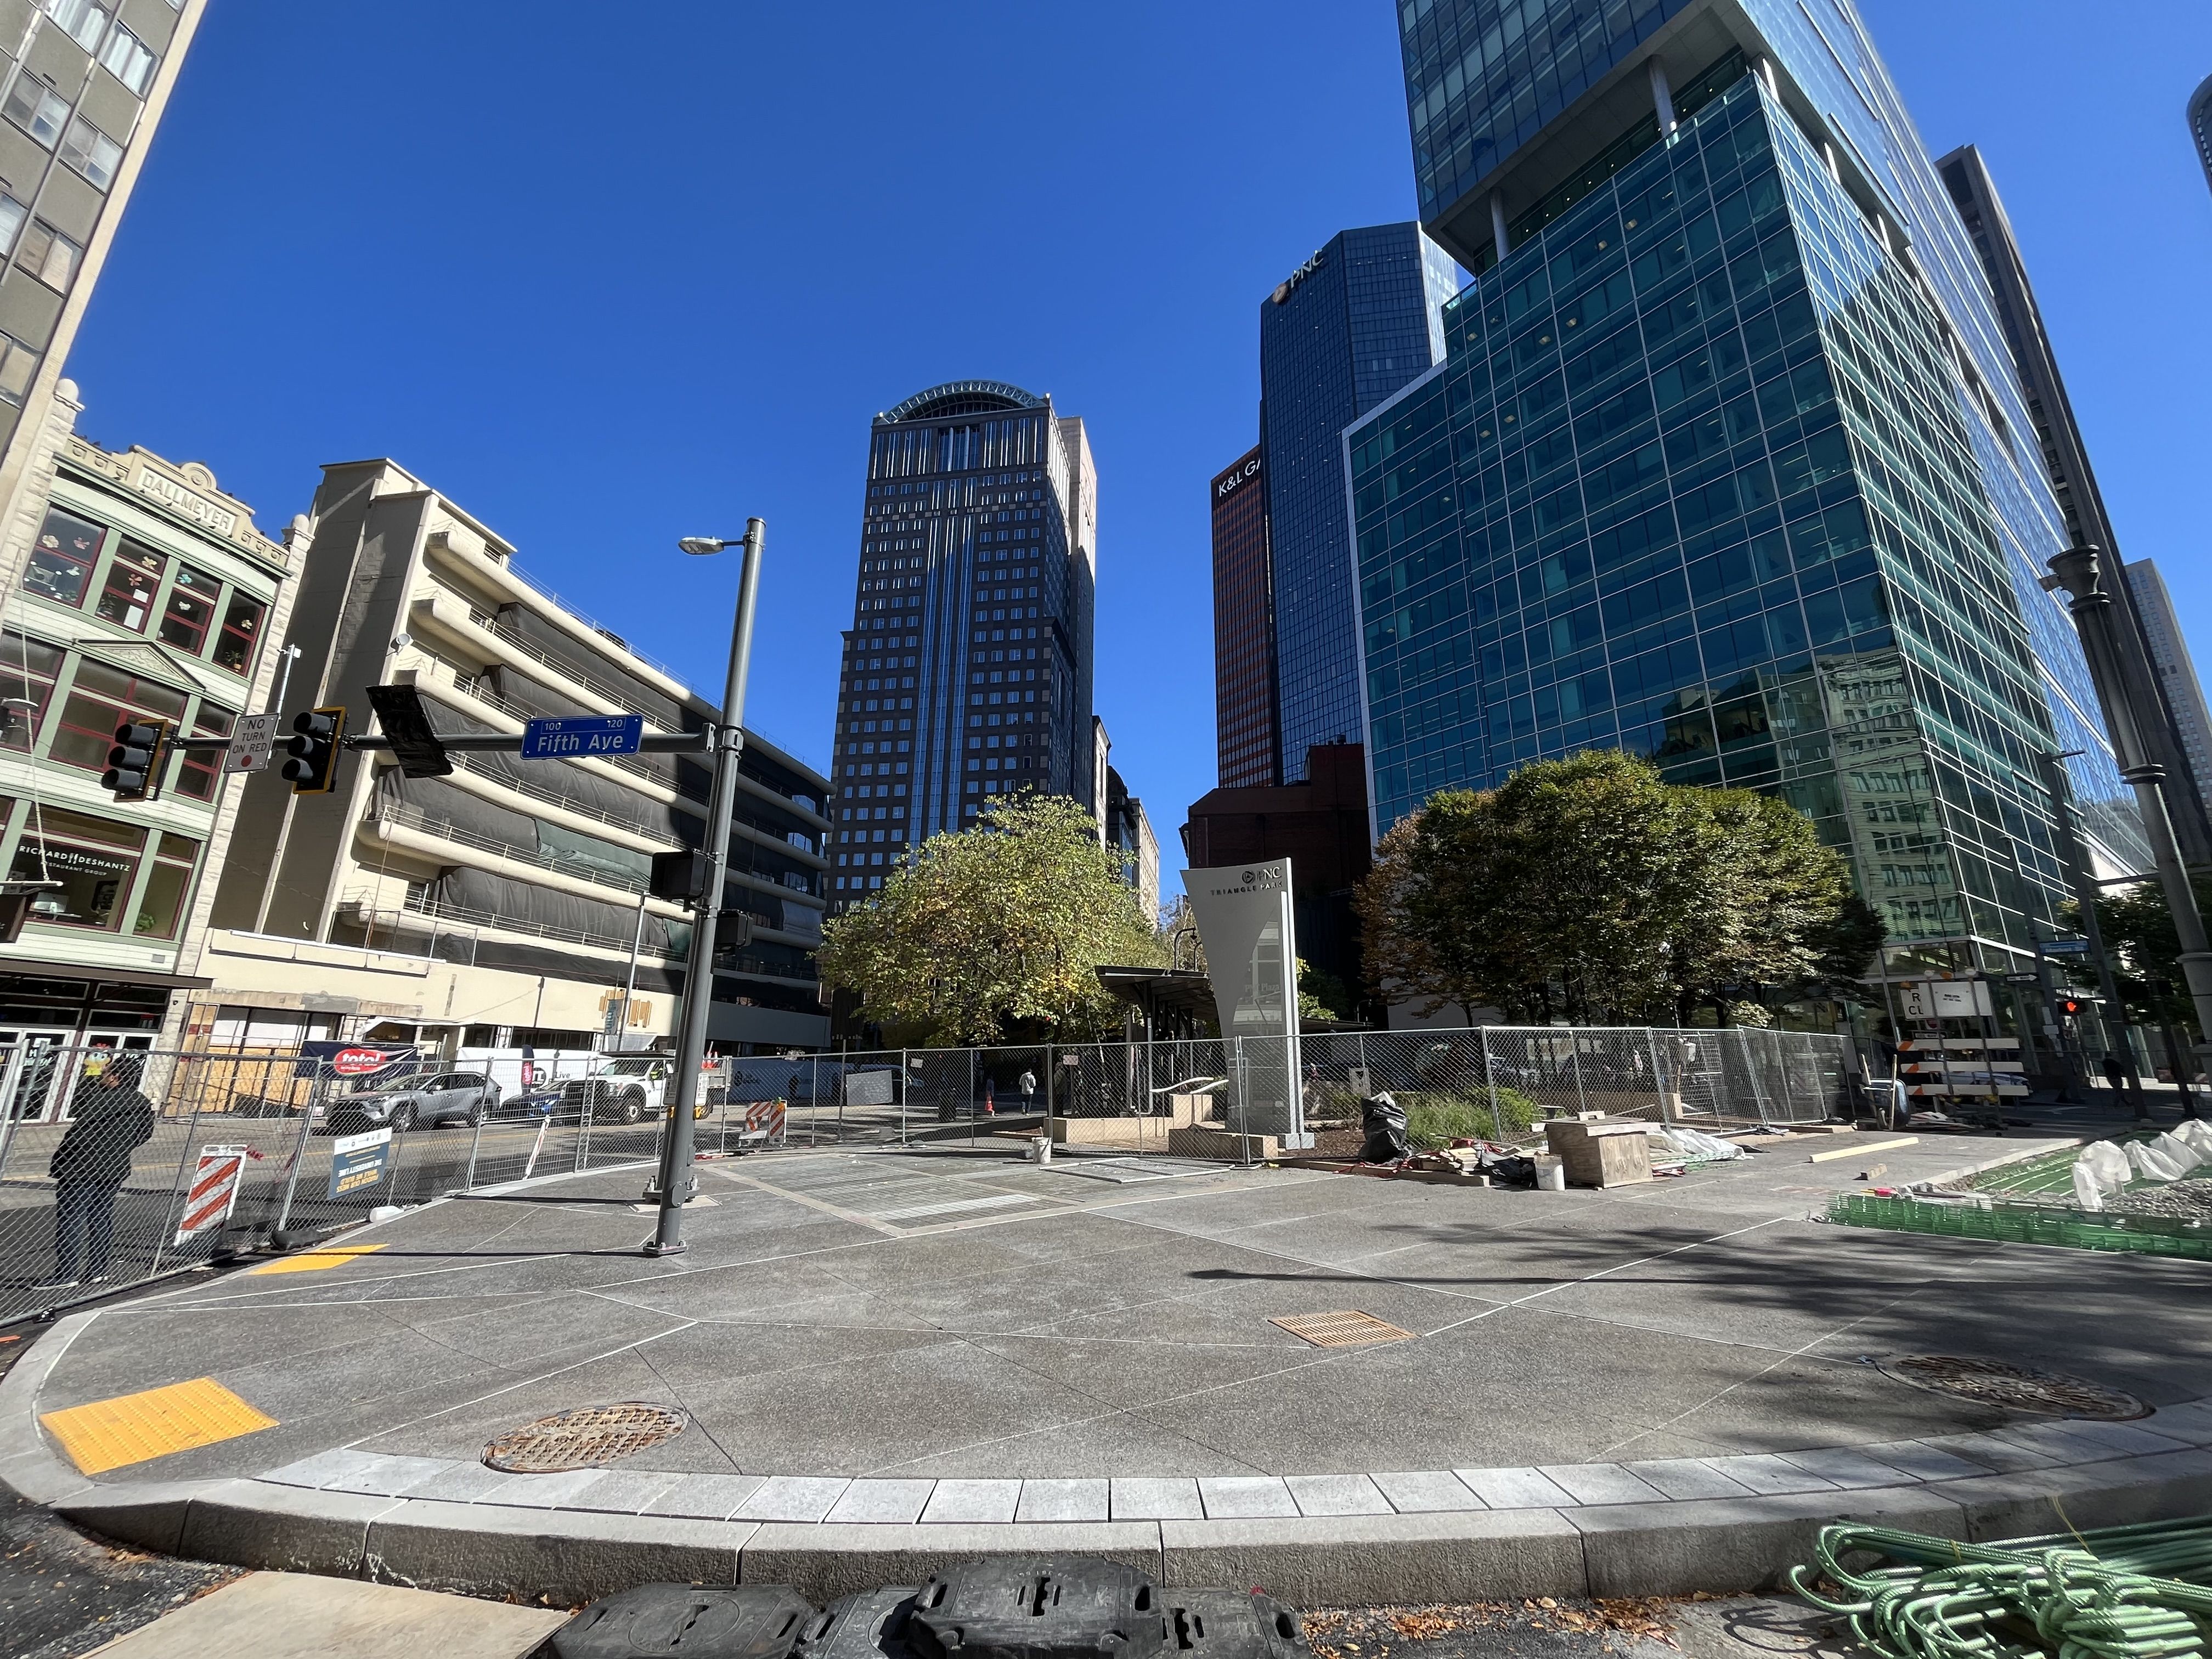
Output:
(590, 1437)
(1344, 1329)
(1993, 1383)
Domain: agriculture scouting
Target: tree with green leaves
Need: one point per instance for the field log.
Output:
(2137, 925)
(1589, 888)
(993, 933)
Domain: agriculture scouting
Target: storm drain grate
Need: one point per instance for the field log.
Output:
(1341, 1329)
(589, 1438)
(1994, 1382)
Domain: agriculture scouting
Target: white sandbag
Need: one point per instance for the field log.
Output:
(2150, 1165)
(2182, 1154)
(2107, 1165)
(2198, 1134)
(2087, 1194)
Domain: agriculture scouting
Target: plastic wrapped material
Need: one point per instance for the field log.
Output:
(2108, 1169)
(2198, 1134)
(2151, 1164)
(1695, 1144)
(2184, 1155)
(2087, 1194)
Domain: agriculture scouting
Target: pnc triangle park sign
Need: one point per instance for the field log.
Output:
(1247, 923)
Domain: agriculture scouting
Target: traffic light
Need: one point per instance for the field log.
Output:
(679, 876)
(2072, 1007)
(133, 765)
(314, 767)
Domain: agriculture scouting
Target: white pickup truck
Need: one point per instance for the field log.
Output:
(625, 1090)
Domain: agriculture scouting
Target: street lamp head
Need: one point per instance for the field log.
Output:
(704, 543)
(2077, 571)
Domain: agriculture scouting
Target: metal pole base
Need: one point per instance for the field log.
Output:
(675, 1247)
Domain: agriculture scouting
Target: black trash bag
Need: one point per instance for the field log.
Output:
(1383, 1120)
(1514, 1171)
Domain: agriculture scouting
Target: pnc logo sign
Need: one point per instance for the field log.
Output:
(1283, 289)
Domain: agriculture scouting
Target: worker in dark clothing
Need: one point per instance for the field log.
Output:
(109, 1119)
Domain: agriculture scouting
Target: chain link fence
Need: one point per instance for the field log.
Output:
(118, 1166)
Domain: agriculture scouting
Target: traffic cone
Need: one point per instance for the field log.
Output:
(990, 1099)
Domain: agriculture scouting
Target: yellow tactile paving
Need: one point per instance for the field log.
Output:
(108, 1434)
(309, 1262)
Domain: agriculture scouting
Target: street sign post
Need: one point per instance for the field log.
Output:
(580, 737)
(2023, 979)
(2064, 947)
(251, 744)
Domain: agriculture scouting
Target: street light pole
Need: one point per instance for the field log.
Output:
(676, 1183)
(2077, 571)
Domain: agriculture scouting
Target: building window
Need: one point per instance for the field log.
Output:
(12, 215)
(92, 152)
(36, 107)
(129, 59)
(162, 902)
(201, 769)
(48, 255)
(82, 21)
(134, 575)
(241, 626)
(191, 612)
(100, 699)
(28, 669)
(18, 362)
(93, 859)
(61, 564)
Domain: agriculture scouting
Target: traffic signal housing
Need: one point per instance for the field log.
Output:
(679, 876)
(314, 767)
(134, 763)
(2072, 1007)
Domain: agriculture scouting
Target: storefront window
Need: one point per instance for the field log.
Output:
(93, 859)
(28, 669)
(133, 575)
(191, 610)
(201, 771)
(241, 626)
(162, 907)
(61, 564)
(102, 700)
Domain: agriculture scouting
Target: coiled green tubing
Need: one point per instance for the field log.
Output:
(2137, 1592)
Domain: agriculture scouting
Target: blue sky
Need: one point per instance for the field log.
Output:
(606, 282)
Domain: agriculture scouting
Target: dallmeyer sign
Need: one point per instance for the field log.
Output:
(1249, 929)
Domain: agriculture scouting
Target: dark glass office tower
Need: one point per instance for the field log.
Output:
(2200, 123)
(2074, 482)
(967, 672)
(1342, 332)
(1243, 626)
(1729, 464)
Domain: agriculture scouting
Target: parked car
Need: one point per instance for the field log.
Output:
(466, 1098)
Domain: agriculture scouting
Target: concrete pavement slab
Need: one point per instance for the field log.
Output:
(955, 1503)
(1245, 1497)
(1422, 1491)
(1516, 1489)
(1320, 1495)
(1043, 1502)
(1600, 1483)
(1155, 1498)
(274, 1615)
(893, 1502)
(382, 1475)
(793, 1498)
(1686, 1477)
(823, 1563)
(704, 1497)
(623, 1492)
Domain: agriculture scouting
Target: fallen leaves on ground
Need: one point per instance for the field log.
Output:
(1368, 1632)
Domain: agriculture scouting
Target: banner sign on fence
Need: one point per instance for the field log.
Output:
(217, 1178)
(352, 1060)
(359, 1161)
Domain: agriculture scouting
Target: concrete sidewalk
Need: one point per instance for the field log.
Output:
(888, 1355)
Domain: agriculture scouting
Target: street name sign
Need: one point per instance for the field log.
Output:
(2064, 947)
(580, 737)
(251, 744)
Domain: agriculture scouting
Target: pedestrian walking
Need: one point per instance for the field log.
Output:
(109, 1119)
(2116, 1073)
(1027, 1084)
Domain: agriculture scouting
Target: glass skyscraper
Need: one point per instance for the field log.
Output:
(967, 672)
(1728, 464)
(1342, 332)
(1243, 626)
